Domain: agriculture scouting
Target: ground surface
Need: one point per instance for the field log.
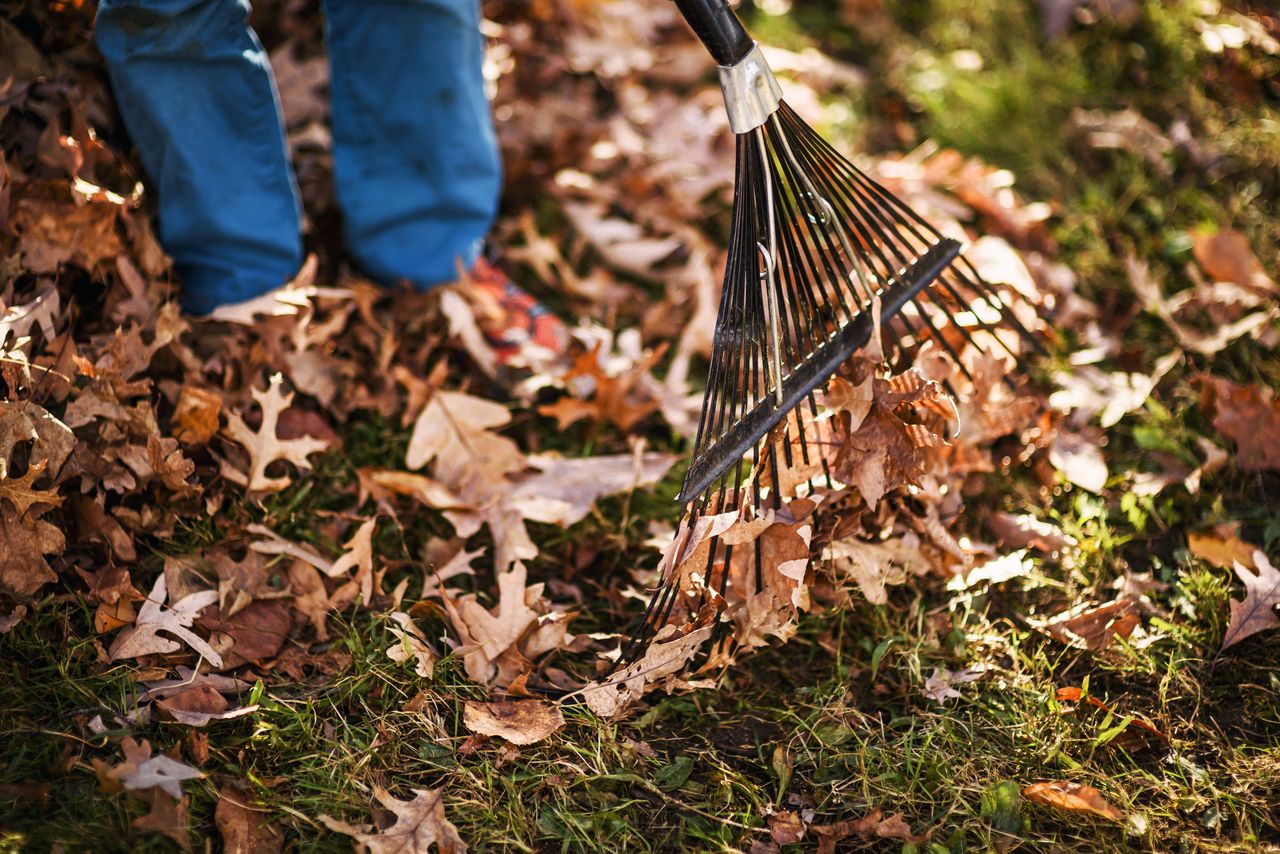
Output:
(795, 744)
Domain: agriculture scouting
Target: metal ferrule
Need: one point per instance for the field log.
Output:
(751, 92)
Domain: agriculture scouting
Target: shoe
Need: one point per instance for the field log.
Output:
(521, 330)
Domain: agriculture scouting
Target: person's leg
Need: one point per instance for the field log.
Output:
(415, 156)
(196, 92)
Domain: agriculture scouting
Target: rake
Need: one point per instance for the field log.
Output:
(815, 245)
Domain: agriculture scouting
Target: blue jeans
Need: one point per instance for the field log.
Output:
(415, 156)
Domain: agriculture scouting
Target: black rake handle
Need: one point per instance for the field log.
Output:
(719, 29)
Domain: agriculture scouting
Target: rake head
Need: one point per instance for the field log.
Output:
(817, 248)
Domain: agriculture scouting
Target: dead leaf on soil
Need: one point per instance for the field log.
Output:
(144, 638)
(1247, 415)
(872, 825)
(419, 824)
(665, 657)
(1221, 547)
(140, 770)
(1094, 628)
(1072, 797)
(244, 830)
(1256, 612)
(518, 721)
(264, 446)
(411, 645)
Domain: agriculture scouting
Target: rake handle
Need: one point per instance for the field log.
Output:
(718, 28)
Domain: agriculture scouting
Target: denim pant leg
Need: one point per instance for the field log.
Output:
(195, 89)
(415, 155)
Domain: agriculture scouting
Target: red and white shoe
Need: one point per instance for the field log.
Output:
(521, 330)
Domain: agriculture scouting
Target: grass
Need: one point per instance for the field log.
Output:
(835, 721)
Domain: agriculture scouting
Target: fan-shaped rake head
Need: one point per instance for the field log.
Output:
(816, 248)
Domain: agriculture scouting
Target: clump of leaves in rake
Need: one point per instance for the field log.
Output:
(318, 564)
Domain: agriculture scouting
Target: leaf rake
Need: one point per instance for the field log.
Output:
(815, 245)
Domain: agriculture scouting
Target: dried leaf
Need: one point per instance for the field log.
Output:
(140, 770)
(873, 824)
(264, 446)
(244, 830)
(664, 657)
(1247, 415)
(419, 824)
(27, 541)
(196, 415)
(411, 645)
(1080, 460)
(1022, 531)
(940, 686)
(144, 637)
(1072, 797)
(518, 721)
(168, 817)
(1094, 628)
(1226, 257)
(1256, 612)
(1221, 547)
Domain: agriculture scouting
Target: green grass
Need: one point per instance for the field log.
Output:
(835, 721)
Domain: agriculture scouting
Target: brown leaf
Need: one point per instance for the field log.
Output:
(197, 705)
(1072, 797)
(264, 446)
(518, 721)
(454, 429)
(250, 635)
(1226, 257)
(873, 824)
(619, 399)
(1221, 547)
(1080, 460)
(1247, 415)
(53, 233)
(27, 541)
(563, 490)
(141, 771)
(1095, 628)
(21, 492)
(419, 824)
(786, 828)
(1021, 531)
(244, 830)
(1073, 694)
(195, 417)
(167, 817)
(23, 421)
(1256, 612)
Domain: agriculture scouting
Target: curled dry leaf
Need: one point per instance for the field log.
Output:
(265, 446)
(411, 644)
(1256, 612)
(665, 657)
(1072, 797)
(1094, 628)
(518, 721)
(419, 824)
(872, 825)
(1226, 256)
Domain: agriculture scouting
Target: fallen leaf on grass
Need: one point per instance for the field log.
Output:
(264, 446)
(1256, 612)
(610, 697)
(871, 825)
(786, 828)
(1226, 257)
(1073, 694)
(1073, 797)
(198, 705)
(144, 638)
(419, 824)
(140, 770)
(563, 490)
(1247, 415)
(1021, 531)
(411, 644)
(27, 541)
(518, 721)
(196, 415)
(244, 830)
(1221, 547)
(940, 686)
(1080, 460)
(167, 816)
(1094, 628)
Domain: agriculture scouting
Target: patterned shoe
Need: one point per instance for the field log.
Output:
(514, 323)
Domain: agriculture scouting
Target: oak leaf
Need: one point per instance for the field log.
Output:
(21, 492)
(1256, 612)
(144, 637)
(411, 645)
(1094, 628)
(167, 816)
(244, 830)
(140, 770)
(1221, 547)
(23, 421)
(420, 823)
(1072, 797)
(27, 541)
(1226, 256)
(665, 656)
(264, 445)
(196, 415)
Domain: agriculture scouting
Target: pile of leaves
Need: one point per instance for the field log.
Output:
(152, 464)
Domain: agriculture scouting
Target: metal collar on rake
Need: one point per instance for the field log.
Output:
(751, 92)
